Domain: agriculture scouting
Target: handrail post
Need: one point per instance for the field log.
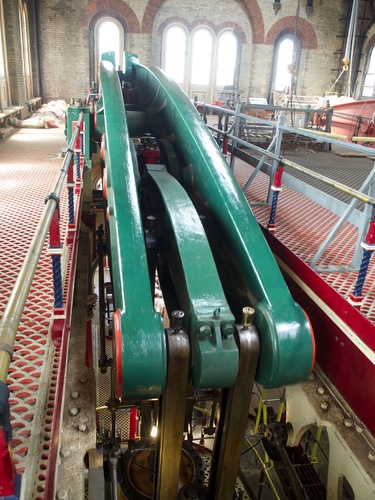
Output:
(70, 184)
(329, 116)
(276, 188)
(236, 131)
(55, 250)
(368, 245)
(9, 481)
(275, 162)
(204, 113)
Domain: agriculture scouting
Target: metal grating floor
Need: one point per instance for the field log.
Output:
(29, 166)
(302, 225)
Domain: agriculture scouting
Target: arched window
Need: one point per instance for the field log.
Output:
(174, 56)
(201, 62)
(227, 54)
(4, 88)
(369, 82)
(201, 57)
(25, 45)
(109, 37)
(285, 63)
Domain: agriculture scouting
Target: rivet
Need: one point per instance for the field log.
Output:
(321, 390)
(311, 376)
(74, 411)
(82, 427)
(371, 455)
(74, 395)
(62, 495)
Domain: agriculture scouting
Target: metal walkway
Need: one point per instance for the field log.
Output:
(29, 165)
(302, 225)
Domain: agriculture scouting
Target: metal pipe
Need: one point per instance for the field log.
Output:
(337, 185)
(14, 309)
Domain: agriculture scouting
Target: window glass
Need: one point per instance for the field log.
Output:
(283, 62)
(175, 53)
(109, 39)
(369, 83)
(201, 57)
(226, 59)
(2, 65)
(25, 40)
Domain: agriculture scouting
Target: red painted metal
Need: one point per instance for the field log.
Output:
(118, 352)
(133, 423)
(344, 363)
(354, 118)
(63, 355)
(54, 231)
(278, 177)
(7, 469)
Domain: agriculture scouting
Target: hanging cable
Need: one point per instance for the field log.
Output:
(353, 21)
(293, 65)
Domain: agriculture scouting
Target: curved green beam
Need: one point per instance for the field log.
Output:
(140, 349)
(209, 321)
(287, 344)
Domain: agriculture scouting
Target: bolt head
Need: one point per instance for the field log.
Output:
(73, 411)
(311, 376)
(205, 330)
(82, 427)
(74, 395)
(371, 455)
(348, 422)
(324, 405)
(321, 390)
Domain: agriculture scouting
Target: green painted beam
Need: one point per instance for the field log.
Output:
(141, 348)
(208, 319)
(286, 339)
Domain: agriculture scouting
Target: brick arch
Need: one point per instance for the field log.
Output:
(251, 8)
(369, 44)
(190, 26)
(115, 8)
(305, 32)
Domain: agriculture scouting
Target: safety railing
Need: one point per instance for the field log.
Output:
(9, 323)
(229, 133)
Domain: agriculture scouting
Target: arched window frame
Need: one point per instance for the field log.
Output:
(368, 87)
(187, 84)
(4, 79)
(236, 72)
(196, 30)
(184, 81)
(121, 46)
(25, 48)
(297, 49)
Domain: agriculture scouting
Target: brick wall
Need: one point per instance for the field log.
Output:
(66, 39)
